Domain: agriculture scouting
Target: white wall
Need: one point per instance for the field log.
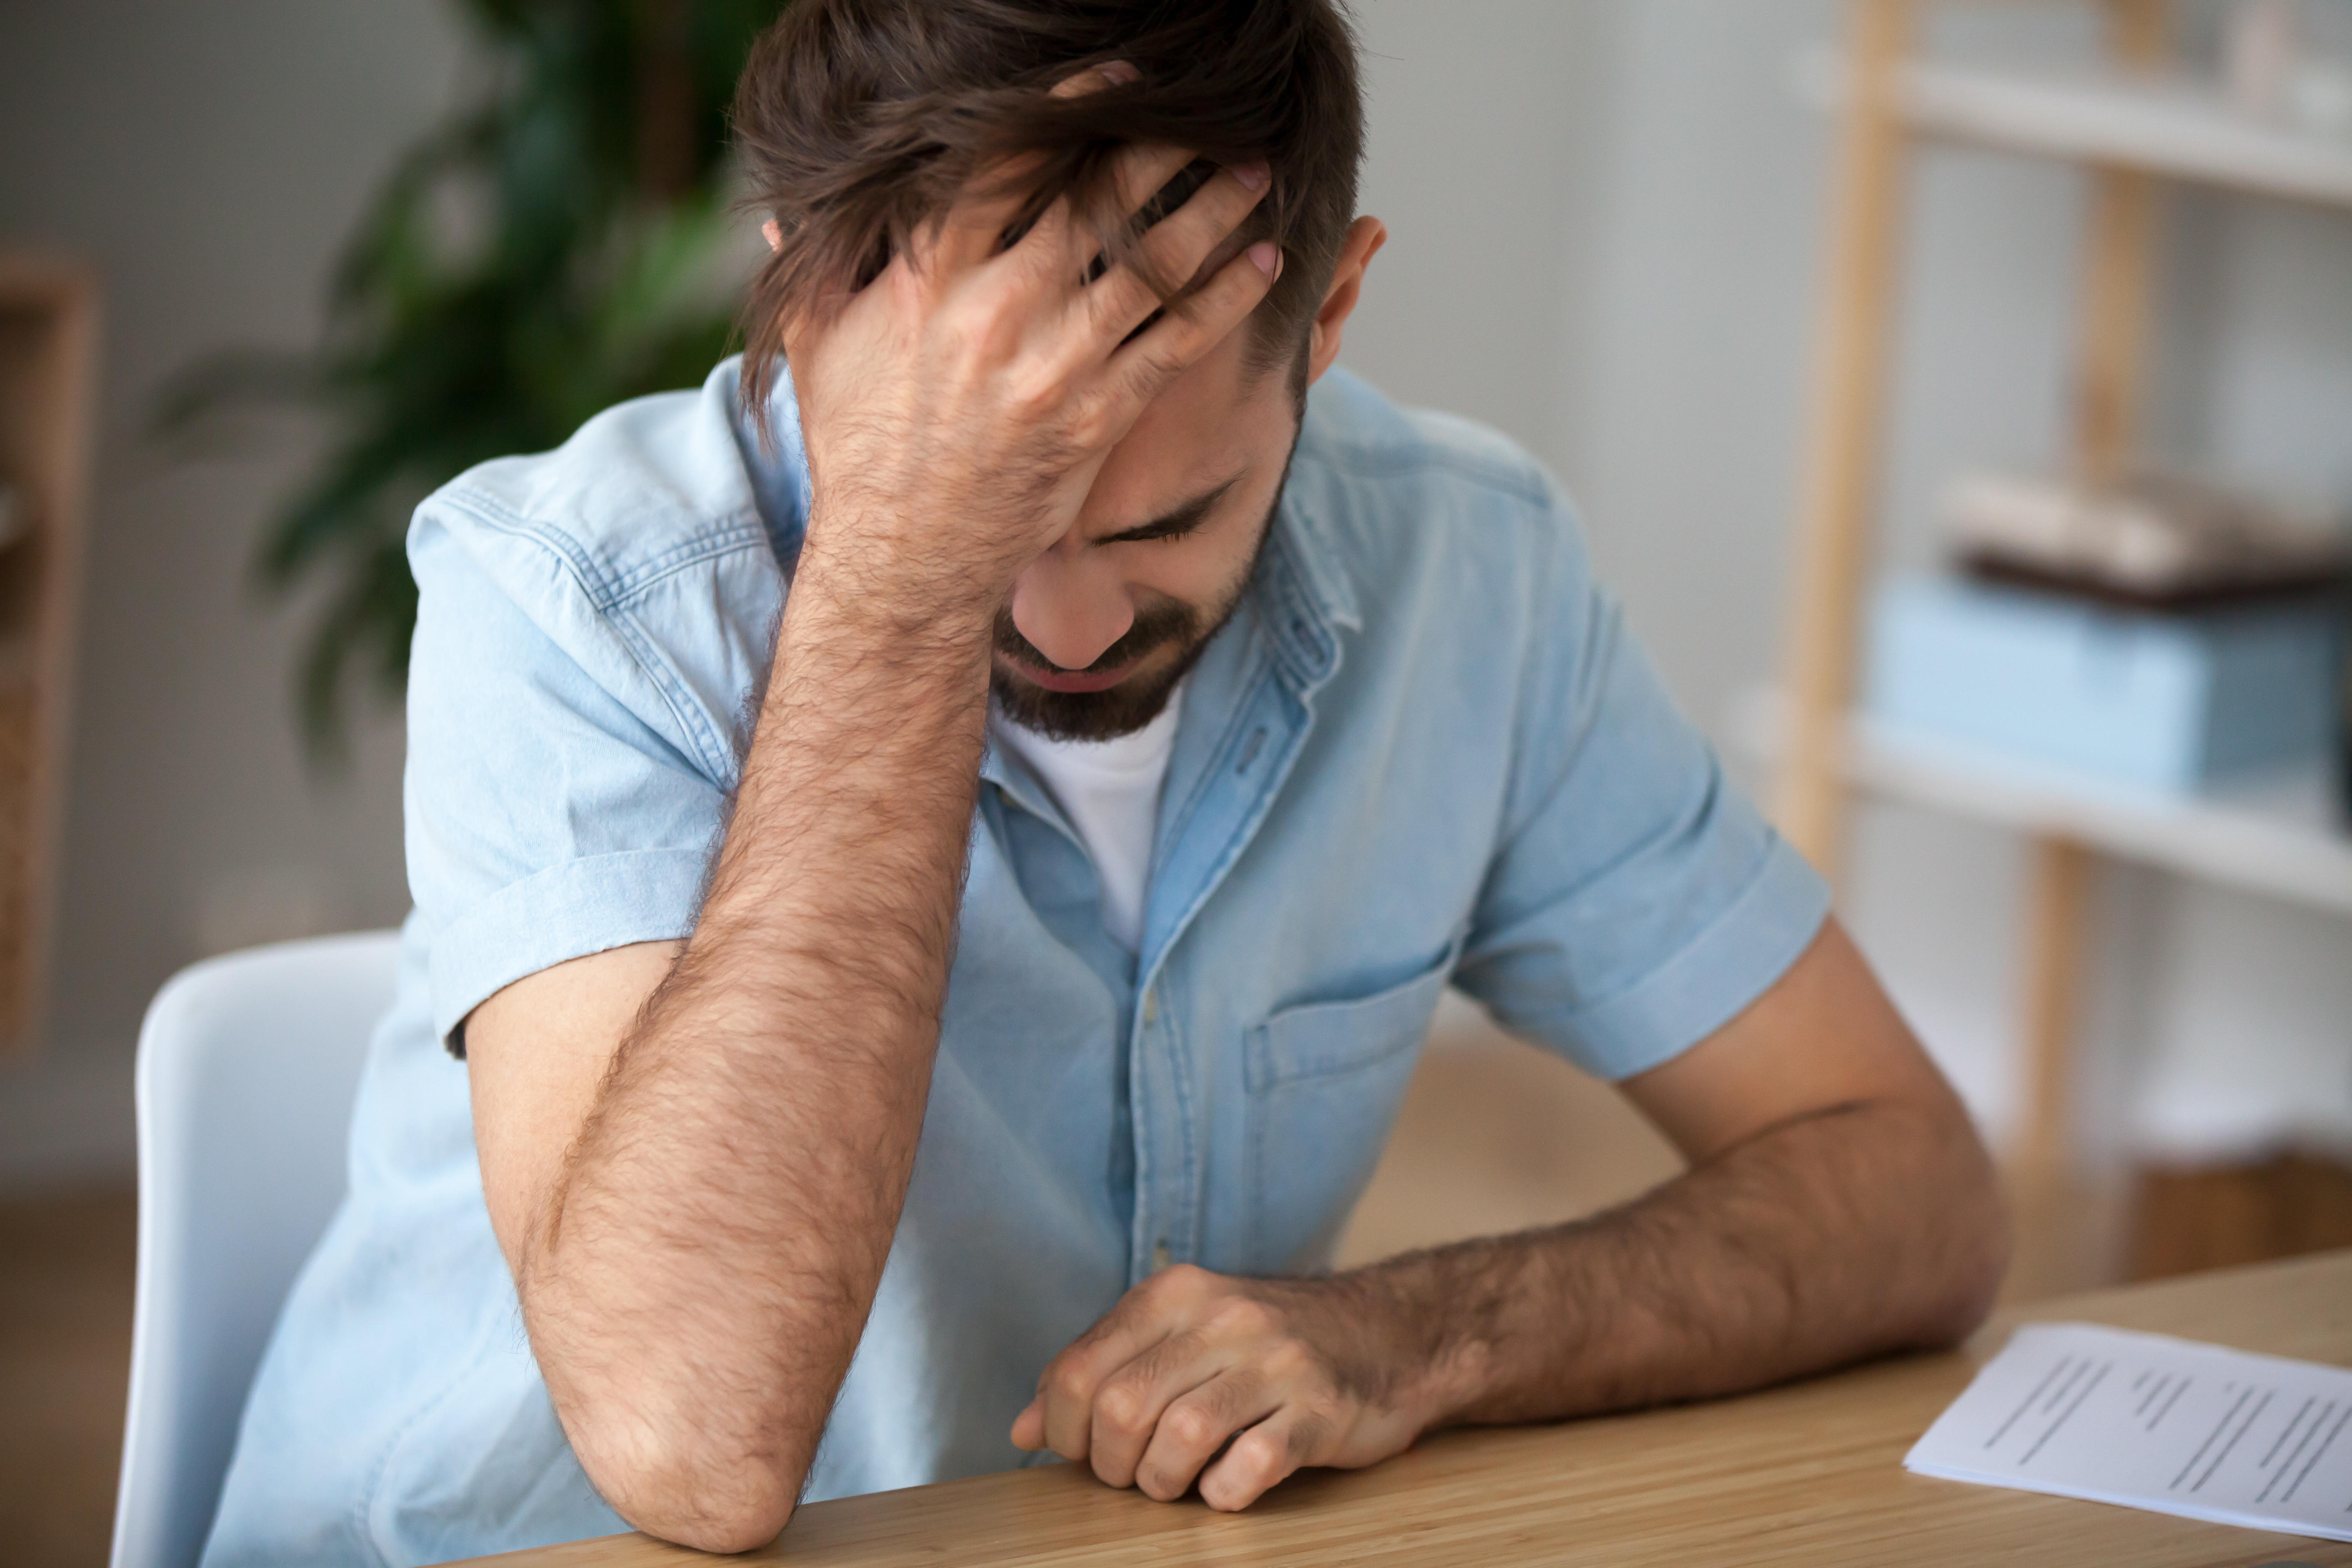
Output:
(208, 159)
(1688, 258)
(1605, 216)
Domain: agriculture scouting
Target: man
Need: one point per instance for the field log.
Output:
(937, 866)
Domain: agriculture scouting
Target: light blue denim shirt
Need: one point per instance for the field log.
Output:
(1424, 750)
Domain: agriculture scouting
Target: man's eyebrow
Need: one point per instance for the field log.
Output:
(1181, 519)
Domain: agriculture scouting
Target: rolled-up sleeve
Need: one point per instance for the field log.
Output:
(556, 803)
(1637, 901)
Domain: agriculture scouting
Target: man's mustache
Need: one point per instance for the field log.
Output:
(1166, 621)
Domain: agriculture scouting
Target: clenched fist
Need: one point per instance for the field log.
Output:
(1236, 1382)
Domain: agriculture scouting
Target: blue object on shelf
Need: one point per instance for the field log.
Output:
(2166, 702)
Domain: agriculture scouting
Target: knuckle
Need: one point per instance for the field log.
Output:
(1068, 1381)
(1239, 1317)
(1163, 357)
(1184, 1280)
(963, 336)
(1251, 1464)
(1190, 1425)
(1168, 1356)
(1178, 334)
(1090, 426)
(1288, 1361)
(1097, 418)
(1117, 303)
(1231, 1393)
(909, 286)
(1173, 250)
(1256, 1457)
(1034, 390)
(1121, 1407)
(987, 332)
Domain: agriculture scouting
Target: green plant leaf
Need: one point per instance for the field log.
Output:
(514, 274)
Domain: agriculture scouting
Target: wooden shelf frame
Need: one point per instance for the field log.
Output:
(2156, 122)
(2272, 835)
(2143, 119)
(2134, 128)
(48, 367)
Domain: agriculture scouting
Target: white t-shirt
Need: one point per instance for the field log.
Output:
(1110, 792)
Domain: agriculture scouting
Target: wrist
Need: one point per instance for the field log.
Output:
(903, 555)
(861, 591)
(1451, 1377)
(1424, 1323)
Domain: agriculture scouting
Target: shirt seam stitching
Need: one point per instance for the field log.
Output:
(614, 604)
(606, 591)
(1766, 864)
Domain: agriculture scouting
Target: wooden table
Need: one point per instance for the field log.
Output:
(1810, 1474)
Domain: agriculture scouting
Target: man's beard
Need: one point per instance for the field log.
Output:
(1127, 707)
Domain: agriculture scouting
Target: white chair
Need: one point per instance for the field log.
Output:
(248, 1065)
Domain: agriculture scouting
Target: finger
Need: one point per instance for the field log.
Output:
(1138, 172)
(1029, 1428)
(1174, 249)
(1131, 1402)
(1142, 368)
(1066, 1391)
(1194, 1427)
(972, 228)
(973, 231)
(1094, 78)
(1141, 170)
(1051, 235)
(1265, 1455)
(1167, 1303)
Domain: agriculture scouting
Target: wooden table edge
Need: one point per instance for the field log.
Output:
(2297, 1306)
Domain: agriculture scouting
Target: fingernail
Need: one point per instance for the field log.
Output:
(1268, 257)
(1253, 176)
(1119, 73)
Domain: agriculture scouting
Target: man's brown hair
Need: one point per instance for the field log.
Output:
(858, 121)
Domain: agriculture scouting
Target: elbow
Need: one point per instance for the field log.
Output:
(737, 1524)
(666, 1450)
(1972, 1245)
(687, 1485)
(1972, 1279)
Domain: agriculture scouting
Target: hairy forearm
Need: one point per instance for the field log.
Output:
(696, 1273)
(698, 1280)
(1848, 1233)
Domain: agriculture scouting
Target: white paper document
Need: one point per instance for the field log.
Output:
(2157, 1423)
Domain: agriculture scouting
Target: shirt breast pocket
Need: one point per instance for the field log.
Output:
(1325, 1081)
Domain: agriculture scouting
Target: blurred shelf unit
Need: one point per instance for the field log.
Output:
(49, 329)
(2272, 835)
(2135, 125)
(2156, 123)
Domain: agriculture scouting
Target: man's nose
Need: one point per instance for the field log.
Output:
(1071, 606)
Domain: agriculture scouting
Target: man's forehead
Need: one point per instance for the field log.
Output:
(1141, 496)
(1188, 443)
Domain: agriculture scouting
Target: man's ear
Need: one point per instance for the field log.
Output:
(1365, 237)
(773, 235)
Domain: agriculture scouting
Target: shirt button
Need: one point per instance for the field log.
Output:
(1151, 1006)
(1159, 1254)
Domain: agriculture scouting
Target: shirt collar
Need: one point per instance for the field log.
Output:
(1305, 597)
